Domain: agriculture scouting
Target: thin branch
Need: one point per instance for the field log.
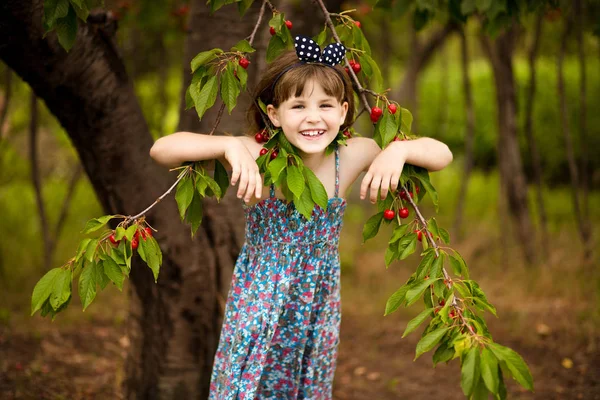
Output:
(260, 16)
(337, 38)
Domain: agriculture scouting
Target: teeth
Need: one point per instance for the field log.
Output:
(312, 133)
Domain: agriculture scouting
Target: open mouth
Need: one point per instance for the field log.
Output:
(314, 133)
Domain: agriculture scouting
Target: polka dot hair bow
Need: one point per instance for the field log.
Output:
(309, 51)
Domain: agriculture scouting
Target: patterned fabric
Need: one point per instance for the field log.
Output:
(308, 50)
(281, 328)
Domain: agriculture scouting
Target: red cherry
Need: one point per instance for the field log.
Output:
(356, 68)
(418, 190)
(274, 154)
(263, 151)
(396, 138)
(389, 214)
(265, 136)
(272, 31)
(347, 70)
(357, 23)
(259, 137)
(134, 243)
(451, 314)
(403, 194)
(419, 235)
(347, 134)
(113, 240)
(244, 63)
(288, 23)
(148, 232)
(351, 62)
(375, 114)
(403, 212)
(136, 235)
(442, 302)
(437, 310)
(393, 108)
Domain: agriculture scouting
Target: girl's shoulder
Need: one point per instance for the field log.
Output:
(358, 154)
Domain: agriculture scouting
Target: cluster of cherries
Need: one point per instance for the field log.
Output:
(263, 137)
(377, 112)
(355, 67)
(403, 212)
(146, 232)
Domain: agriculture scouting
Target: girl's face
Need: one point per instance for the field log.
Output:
(312, 121)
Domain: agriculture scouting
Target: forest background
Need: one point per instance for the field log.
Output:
(533, 253)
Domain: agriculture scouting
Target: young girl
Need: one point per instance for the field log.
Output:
(281, 328)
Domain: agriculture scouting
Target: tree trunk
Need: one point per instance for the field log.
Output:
(531, 143)
(585, 185)
(420, 56)
(500, 52)
(566, 131)
(470, 134)
(174, 324)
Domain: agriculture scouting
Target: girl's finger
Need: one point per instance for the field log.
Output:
(259, 185)
(243, 183)
(251, 186)
(375, 184)
(365, 184)
(385, 184)
(235, 173)
(394, 181)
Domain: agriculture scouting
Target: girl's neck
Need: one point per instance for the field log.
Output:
(313, 161)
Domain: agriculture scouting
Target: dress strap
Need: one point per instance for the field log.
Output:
(272, 190)
(337, 171)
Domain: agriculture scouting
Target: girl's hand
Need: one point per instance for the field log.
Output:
(243, 169)
(384, 172)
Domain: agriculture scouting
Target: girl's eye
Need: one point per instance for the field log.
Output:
(297, 106)
(326, 105)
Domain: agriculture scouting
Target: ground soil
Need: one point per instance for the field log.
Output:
(84, 361)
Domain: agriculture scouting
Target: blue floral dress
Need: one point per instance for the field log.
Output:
(282, 319)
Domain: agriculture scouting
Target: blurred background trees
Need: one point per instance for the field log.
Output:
(514, 101)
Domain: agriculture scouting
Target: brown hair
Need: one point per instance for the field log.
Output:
(335, 83)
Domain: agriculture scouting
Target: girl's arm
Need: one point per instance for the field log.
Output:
(384, 167)
(236, 153)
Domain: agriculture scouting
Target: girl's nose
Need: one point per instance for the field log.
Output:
(313, 115)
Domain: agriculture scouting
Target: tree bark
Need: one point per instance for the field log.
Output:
(173, 325)
(500, 52)
(531, 143)
(470, 134)
(6, 102)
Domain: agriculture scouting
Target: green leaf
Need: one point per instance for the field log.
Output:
(456, 267)
(423, 176)
(81, 10)
(463, 265)
(304, 204)
(470, 371)
(61, 290)
(242, 75)
(276, 166)
(429, 341)
(243, 6)
(425, 264)
(321, 38)
(398, 232)
(96, 223)
(417, 289)
(396, 299)
(445, 236)
(130, 231)
(433, 228)
(436, 267)
(204, 58)
(66, 29)
(372, 226)
(376, 79)
(43, 289)
(317, 190)
(214, 186)
(221, 177)
(113, 271)
(284, 144)
(275, 48)
(407, 245)
(90, 251)
(295, 180)
(82, 248)
(489, 370)
(514, 363)
(207, 96)
(230, 89)
(153, 256)
(390, 255)
(244, 46)
(388, 128)
(101, 278)
(193, 215)
(87, 284)
(443, 354)
(416, 321)
(407, 119)
(54, 10)
(184, 195)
